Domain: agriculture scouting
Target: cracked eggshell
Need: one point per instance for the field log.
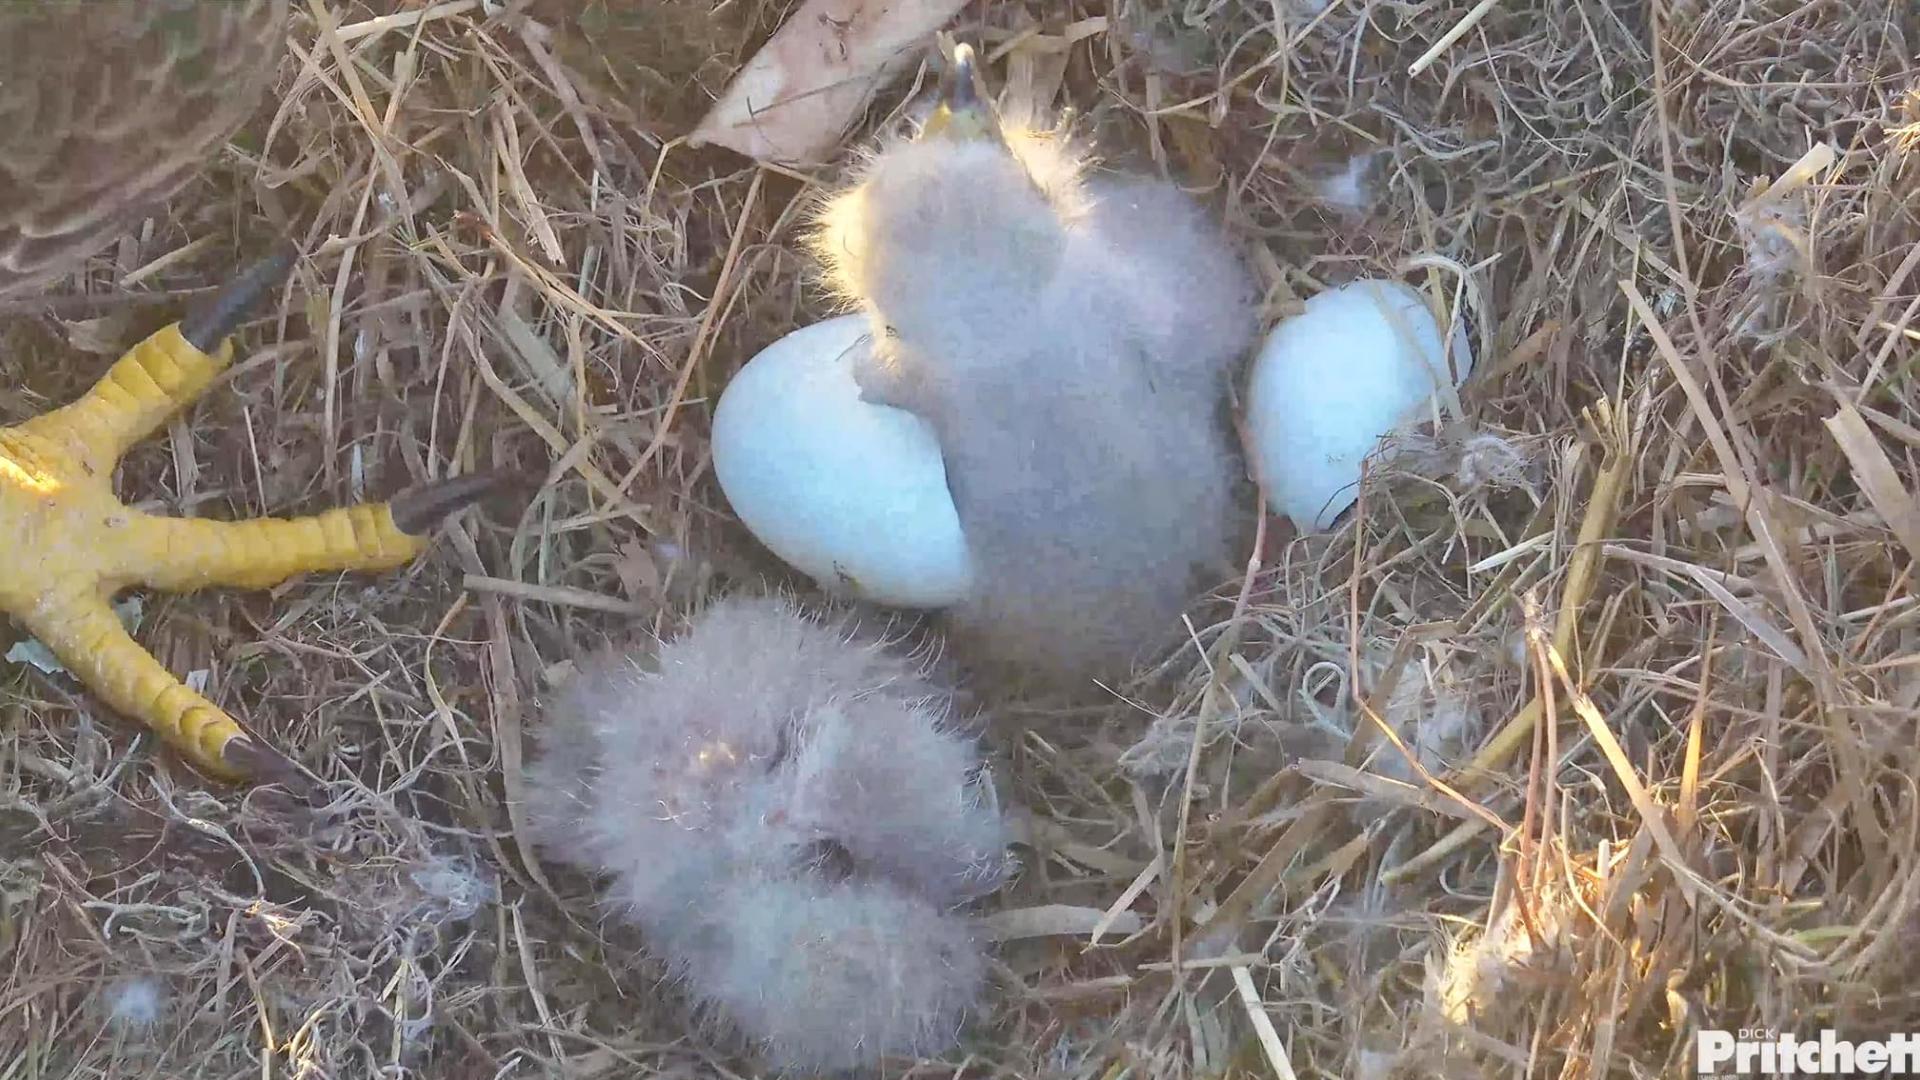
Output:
(1359, 362)
(852, 494)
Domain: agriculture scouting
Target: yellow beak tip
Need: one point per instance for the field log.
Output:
(962, 114)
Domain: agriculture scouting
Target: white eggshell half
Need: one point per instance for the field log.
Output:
(852, 494)
(1359, 362)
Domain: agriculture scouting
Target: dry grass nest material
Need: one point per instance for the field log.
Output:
(1641, 617)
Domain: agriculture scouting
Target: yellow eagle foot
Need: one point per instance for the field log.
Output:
(71, 544)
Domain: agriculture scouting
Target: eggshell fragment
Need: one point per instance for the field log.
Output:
(1359, 362)
(852, 494)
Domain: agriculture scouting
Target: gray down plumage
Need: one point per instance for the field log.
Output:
(780, 802)
(1069, 339)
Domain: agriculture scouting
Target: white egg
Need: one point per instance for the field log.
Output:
(1359, 362)
(852, 494)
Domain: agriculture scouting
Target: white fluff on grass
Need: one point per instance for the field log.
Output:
(1068, 339)
(771, 777)
(452, 888)
(134, 1003)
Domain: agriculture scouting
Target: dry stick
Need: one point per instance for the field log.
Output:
(1733, 469)
(1689, 809)
(503, 691)
(703, 338)
(1375, 786)
(530, 967)
(1526, 877)
(1651, 813)
(554, 289)
(562, 595)
(1583, 571)
(1877, 319)
(443, 711)
(403, 21)
(538, 424)
(1676, 220)
(378, 128)
(1736, 465)
(336, 311)
(1353, 594)
(1467, 22)
(1270, 1043)
(539, 42)
(1209, 701)
(172, 258)
(1877, 476)
(1630, 240)
(1268, 872)
(507, 151)
(1538, 764)
(1549, 772)
(1762, 520)
(267, 1047)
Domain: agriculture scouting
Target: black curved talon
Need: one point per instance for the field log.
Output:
(418, 509)
(209, 322)
(263, 764)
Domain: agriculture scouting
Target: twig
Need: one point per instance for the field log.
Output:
(1270, 1043)
(1467, 22)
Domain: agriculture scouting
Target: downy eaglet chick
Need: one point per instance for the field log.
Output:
(779, 802)
(1068, 337)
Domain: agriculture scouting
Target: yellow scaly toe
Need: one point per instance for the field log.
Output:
(75, 544)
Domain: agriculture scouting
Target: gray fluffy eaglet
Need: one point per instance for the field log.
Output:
(784, 805)
(1069, 338)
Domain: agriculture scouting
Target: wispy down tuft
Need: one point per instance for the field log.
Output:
(1068, 338)
(779, 803)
